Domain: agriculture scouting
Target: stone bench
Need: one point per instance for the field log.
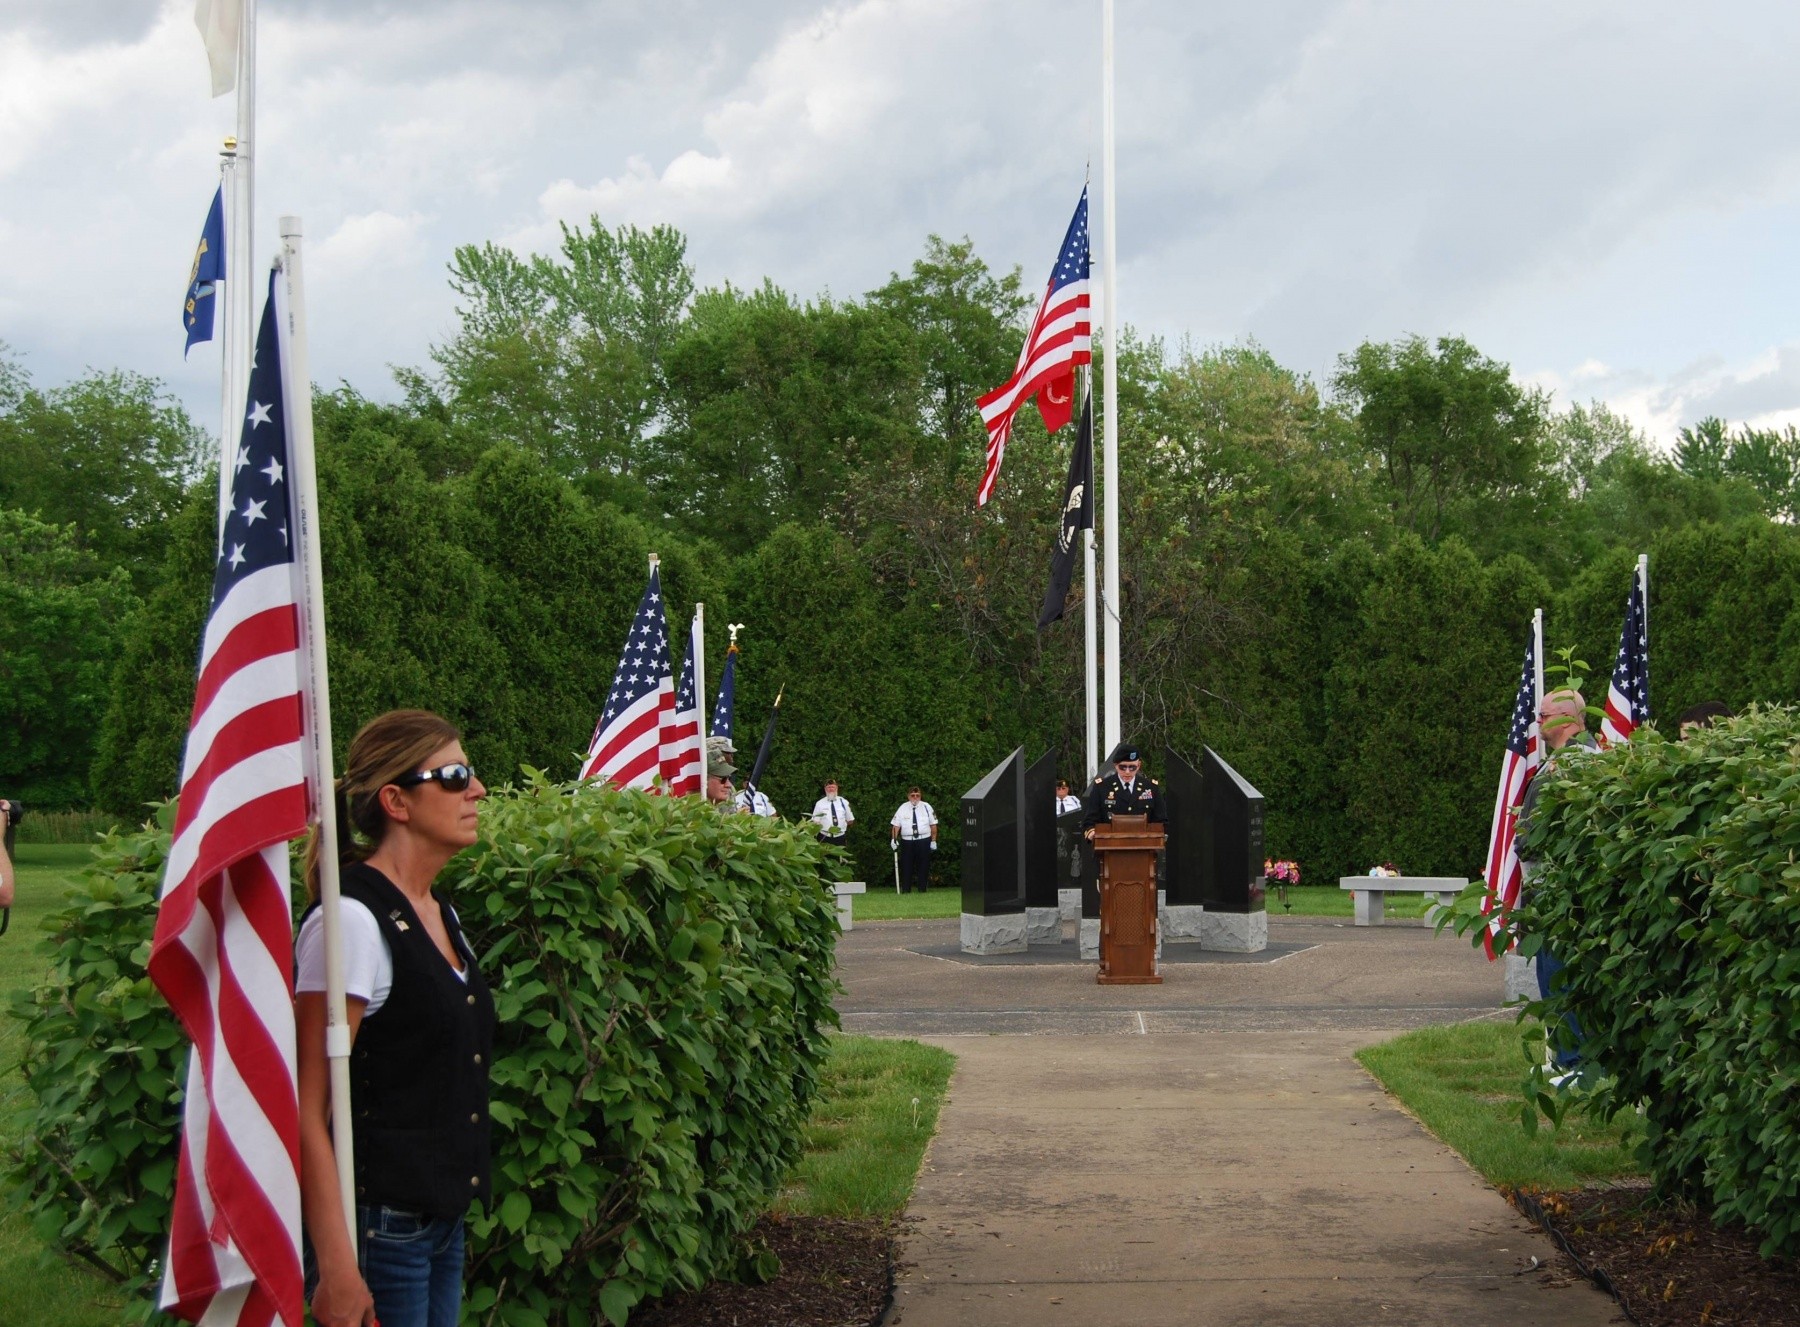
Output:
(846, 890)
(1370, 892)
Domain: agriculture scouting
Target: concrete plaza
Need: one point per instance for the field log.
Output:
(1206, 1151)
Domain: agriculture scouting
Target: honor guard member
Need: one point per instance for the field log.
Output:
(1124, 792)
(831, 814)
(719, 770)
(914, 828)
(754, 801)
(1066, 801)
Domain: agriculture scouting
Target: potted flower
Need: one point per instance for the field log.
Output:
(1282, 874)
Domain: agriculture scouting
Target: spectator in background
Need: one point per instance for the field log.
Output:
(1066, 801)
(832, 815)
(914, 829)
(9, 819)
(1703, 715)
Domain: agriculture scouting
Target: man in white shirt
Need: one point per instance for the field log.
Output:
(831, 814)
(914, 832)
(756, 802)
(1066, 801)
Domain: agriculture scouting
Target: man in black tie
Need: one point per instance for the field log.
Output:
(914, 828)
(1124, 792)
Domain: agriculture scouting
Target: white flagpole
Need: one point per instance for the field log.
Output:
(297, 396)
(240, 257)
(1643, 571)
(1537, 655)
(1090, 625)
(698, 634)
(1109, 314)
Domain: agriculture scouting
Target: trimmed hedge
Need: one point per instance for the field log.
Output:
(1669, 887)
(663, 976)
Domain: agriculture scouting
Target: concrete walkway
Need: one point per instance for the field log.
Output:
(1204, 1152)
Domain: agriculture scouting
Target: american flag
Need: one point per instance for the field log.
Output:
(223, 950)
(1524, 753)
(627, 745)
(1628, 698)
(727, 702)
(1060, 339)
(681, 761)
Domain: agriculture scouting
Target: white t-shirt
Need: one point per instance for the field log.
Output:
(756, 802)
(824, 808)
(368, 965)
(915, 819)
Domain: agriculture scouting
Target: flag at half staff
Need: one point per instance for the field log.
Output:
(627, 744)
(1077, 515)
(1628, 697)
(1060, 339)
(223, 949)
(1524, 754)
(681, 757)
(207, 271)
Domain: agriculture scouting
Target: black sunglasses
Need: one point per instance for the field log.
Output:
(451, 778)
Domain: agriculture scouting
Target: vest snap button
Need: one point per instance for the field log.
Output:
(471, 999)
(475, 1118)
(478, 1059)
(475, 1181)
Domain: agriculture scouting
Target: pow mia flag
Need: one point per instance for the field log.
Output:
(1077, 515)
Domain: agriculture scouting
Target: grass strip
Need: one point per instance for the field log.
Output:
(876, 1112)
(881, 903)
(1463, 1083)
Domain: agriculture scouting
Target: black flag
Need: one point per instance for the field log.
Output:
(768, 744)
(1077, 515)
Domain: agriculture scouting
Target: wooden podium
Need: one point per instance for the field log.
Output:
(1127, 850)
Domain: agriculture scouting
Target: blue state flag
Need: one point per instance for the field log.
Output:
(207, 271)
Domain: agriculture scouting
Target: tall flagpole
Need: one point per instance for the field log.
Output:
(1090, 631)
(297, 400)
(1537, 655)
(240, 255)
(1109, 313)
(1643, 571)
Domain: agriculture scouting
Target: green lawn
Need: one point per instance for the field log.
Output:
(882, 904)
(877, 1110)
(1463, 1083)
(36, 1287)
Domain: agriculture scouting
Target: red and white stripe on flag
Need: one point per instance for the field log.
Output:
(626, 749)
(1503, 872)
(680, 741)
(1059, 340)
(223, 950)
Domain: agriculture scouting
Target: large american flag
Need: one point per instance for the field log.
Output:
(1524, 753)
(223, 950)
(1061, 338)
(681, 761)
(627, 745)
(1628, 696)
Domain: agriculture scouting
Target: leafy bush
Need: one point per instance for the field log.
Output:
(663, 976)
(1668, 885)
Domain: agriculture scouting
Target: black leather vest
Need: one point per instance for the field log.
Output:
(419, 1067)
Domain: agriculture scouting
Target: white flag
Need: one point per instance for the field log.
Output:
(219, 22)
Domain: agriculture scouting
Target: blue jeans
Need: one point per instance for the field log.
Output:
(1565, 1043)
(413, 1265)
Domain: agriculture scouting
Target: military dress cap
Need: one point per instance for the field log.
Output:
(1124, 751)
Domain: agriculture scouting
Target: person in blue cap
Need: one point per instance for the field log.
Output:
(1124, 792)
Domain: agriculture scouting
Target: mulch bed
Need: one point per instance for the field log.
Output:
(834, 1273)
(1666, 1263)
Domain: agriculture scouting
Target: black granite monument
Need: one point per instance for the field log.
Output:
(993, 863)
(1231, 850)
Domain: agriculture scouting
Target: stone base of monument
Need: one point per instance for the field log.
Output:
(1521, 978)
(1182, 923)
(1068, 903)
(1090, 939)
(1002, 934)
(1043, 926)
(1235, 932)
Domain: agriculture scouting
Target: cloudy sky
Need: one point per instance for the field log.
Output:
(1605, 193)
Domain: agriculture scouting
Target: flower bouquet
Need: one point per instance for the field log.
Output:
(1281, 875)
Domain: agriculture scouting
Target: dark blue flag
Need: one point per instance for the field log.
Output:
(727, 702)
(203, 276)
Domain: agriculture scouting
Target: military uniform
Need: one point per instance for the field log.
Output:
(1110, 796)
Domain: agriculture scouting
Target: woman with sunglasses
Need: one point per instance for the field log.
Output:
(422, 1027)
